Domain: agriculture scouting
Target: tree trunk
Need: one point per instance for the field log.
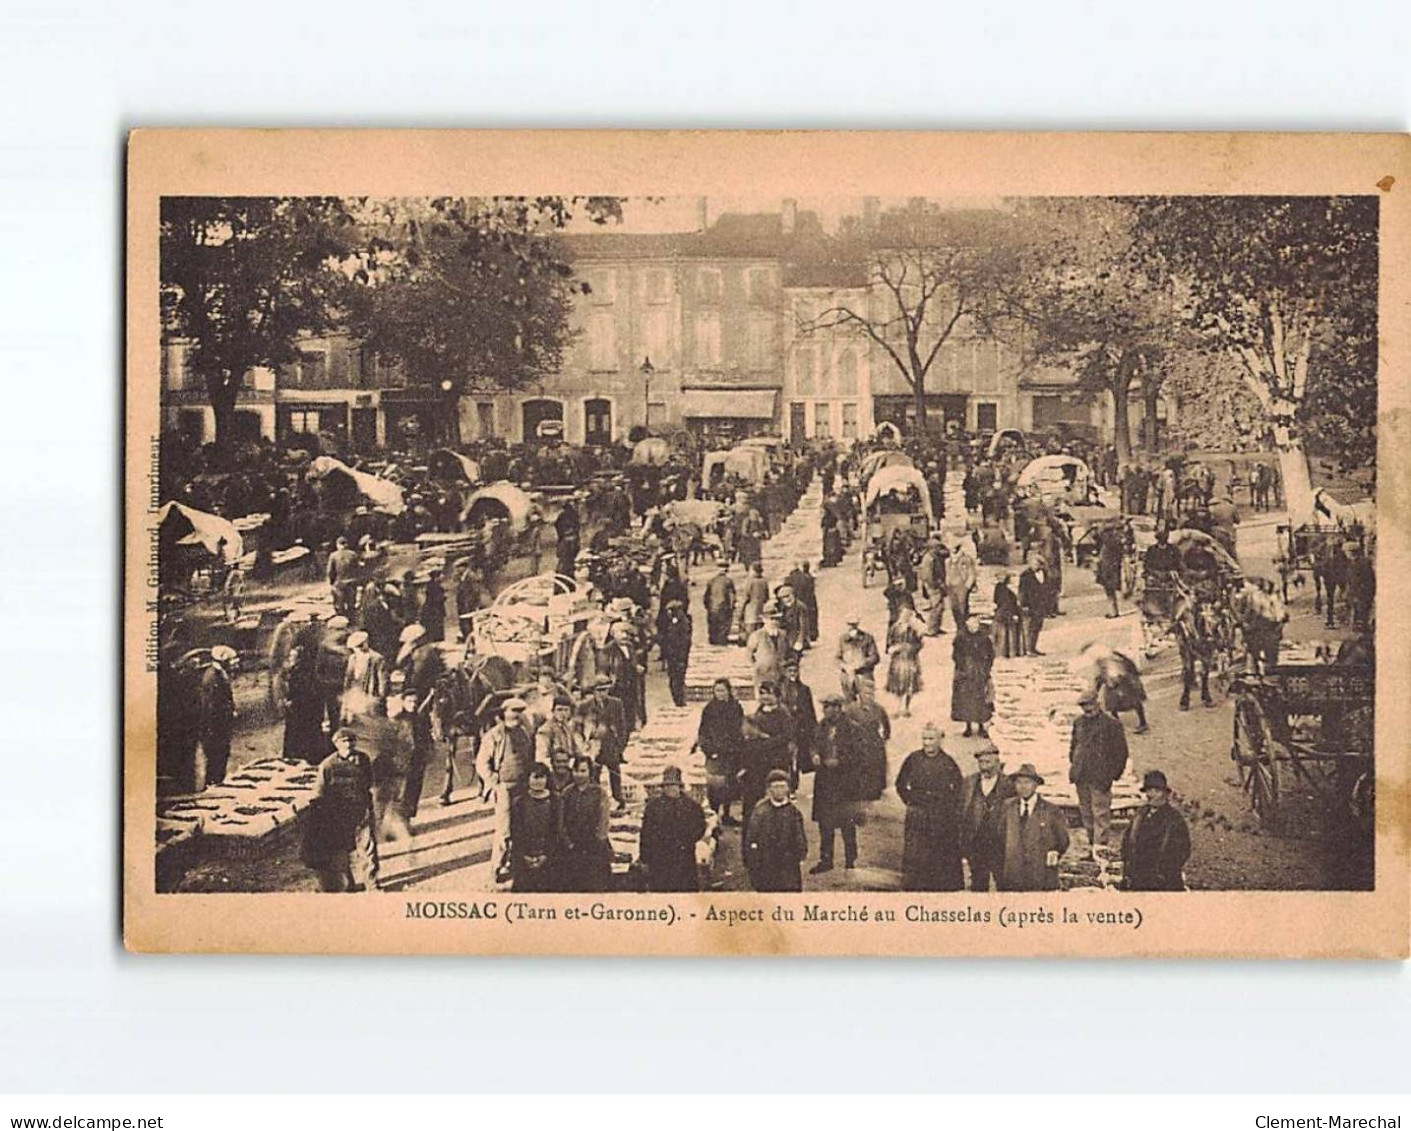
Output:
(1149, 438)
(918, 392)
(1121, 426)
(222, 394)
(1296, 481)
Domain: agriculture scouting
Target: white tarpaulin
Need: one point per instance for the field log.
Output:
(384, 495)
(201, 529)
(1050, 474)
(895, 481)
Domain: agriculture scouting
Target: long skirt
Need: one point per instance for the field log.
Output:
(903, 673)
(930, 857)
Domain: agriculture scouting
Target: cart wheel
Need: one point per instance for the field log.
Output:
(1255, 758)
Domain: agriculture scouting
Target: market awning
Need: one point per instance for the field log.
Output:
(751, 404)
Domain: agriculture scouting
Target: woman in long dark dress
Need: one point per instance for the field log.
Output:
(587, 861)
(972, 696)
(720, 738)
(929, 784)
(304, 739)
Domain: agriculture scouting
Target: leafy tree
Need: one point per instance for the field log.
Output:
(242, 278)
(1288, 285)
(455, 289)
(468, 291)
(931, 276)
(1084, 300)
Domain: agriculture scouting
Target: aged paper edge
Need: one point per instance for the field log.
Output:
(782, 163)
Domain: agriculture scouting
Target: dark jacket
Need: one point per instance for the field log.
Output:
(1024, 846)
(775, 846)
(1097, 751)
(671, 826)
(674, 635)
(978, 813)
(797, 699)
(1155, 849)
(607, 719)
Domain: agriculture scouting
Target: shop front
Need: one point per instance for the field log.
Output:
(721, 418)
(942, 411)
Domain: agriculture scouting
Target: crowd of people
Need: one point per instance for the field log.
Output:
(367, 696)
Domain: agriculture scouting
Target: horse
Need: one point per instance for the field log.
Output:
(1199, 633)
(459, 706)
(1261, 615)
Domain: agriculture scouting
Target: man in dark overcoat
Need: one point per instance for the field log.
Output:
(1157, 843)
(672, 824)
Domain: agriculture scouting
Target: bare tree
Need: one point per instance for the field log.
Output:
(930, 276)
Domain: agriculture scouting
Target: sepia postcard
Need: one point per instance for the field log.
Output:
(767, 543)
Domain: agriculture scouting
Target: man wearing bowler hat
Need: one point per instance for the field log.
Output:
(672, 824)
(1157, 843)
(1031, 836)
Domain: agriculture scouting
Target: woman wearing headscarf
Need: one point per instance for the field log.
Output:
(719, 738)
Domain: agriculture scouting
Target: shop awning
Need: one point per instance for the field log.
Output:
(750, 404)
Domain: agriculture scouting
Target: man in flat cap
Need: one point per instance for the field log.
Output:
(1157, 843)
(857, 657)
(217, 712)
(1032, 836)
(1097, 757)
(506, 754)
(342, 576)
(837, 792)
(603, 724)
(672, 824)
(981, 796)
(338, 842)
(775, 844)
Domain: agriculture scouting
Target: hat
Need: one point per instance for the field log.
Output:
(562, 701)
(356, 639)
(1154, 779)
(834, 699)
(776, 775)
(987, 748)
(671, 776)
(339, 621)
(515, 704)
(411, 634)
(224, 654)
(600, 682)
(343, 732)
(1088, 696)
(1027, 771)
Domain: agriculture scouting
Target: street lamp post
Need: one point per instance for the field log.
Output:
(647, 370)
(451, 429)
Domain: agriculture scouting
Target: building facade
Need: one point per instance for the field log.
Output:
(334, 388)
(722, 332)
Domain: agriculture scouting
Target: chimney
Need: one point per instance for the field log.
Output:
(702, 214)
(871, 210)
(789, 213)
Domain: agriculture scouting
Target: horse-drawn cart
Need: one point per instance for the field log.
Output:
(1306, 727)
